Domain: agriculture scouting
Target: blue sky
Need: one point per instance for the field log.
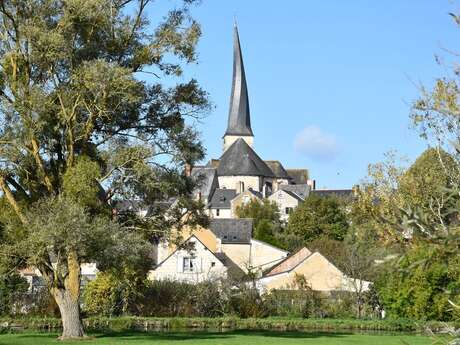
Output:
(330, 82)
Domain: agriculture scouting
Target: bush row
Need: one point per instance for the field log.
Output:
(119, 324)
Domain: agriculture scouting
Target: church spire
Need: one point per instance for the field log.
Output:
(239, 121)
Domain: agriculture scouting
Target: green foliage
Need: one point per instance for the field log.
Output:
(264, 210)
(420, 284)
(112, 294)
(75, 118)
(318, 217)
(246, 302)
(80, 182)
(424, 185)
(100, 296)
(63, 226)
(12, 287)
(267, 224)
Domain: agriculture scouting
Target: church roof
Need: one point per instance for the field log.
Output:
(278, 169)
(239, 120)
(299, 176)
(241, 160)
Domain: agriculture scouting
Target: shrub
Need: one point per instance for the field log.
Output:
(292, 303)
(246, 302)
(12, 289)
(416, 287)
(100, 296)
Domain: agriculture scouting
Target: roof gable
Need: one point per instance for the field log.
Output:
(275, 195)
(181, 248)
(290, 262)
(300, 190)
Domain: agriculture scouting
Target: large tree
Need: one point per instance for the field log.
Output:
(319, 217)
(81, 127)
(266, 216)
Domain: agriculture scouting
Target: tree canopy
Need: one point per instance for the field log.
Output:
(319, 217)
(267, 224)
(82, 127)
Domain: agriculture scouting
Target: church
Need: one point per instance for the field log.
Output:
(227, 248)
(240, 174)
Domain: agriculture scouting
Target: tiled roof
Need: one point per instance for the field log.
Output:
(206, 180)
(339, 193)
(301, 190)
(290, 262)
(231, 230)
(222, 198)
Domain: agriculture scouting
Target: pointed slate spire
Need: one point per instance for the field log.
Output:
(239, 120)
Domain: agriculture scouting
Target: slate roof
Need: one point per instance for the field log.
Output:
(231, 230)
(339, 193)
(278, 169)
(241, 160)
(239, 119)
(294, 195)
(222, 198)
(299, 176)
(302, 190)
(206, 179)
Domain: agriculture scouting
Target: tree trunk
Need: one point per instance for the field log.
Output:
(68, 300)
(72, 326)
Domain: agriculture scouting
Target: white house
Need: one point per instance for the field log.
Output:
(193, 262)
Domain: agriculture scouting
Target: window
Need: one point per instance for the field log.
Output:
(217, 212)
(188, 265)
(213, 264)
(288, 210)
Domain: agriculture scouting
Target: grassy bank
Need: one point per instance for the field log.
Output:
(226, 338)
(120, 324)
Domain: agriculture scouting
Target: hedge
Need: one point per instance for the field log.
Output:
(118, 324)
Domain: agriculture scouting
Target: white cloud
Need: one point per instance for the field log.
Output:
(316, 144)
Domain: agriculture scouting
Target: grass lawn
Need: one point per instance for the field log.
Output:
(227, 338)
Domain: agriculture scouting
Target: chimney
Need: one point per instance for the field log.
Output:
(312, 184)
